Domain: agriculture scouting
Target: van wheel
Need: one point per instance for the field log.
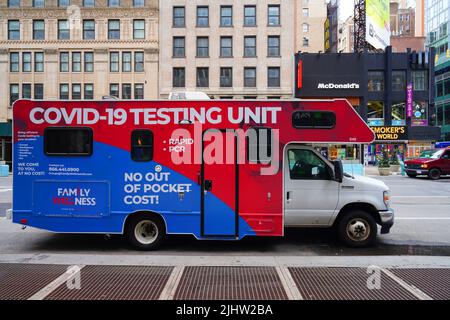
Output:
(434, 174)
(145, 232)
(357, 229)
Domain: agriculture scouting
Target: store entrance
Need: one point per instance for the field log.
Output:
(393, 150)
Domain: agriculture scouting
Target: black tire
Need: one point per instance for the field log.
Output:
(411, 175)
(145, 232)
(353, 223)
(434, 174)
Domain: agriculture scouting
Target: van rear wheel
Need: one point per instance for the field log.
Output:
(357, 229)
(145, 232)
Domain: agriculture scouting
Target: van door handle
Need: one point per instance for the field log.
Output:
(288, 196)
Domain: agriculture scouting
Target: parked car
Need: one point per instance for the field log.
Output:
(433, 163)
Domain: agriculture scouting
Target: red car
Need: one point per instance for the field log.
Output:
(433, 163)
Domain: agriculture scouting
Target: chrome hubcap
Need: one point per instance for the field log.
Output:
(358, 230)
(146, 232)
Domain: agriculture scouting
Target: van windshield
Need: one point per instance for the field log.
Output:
(431, 154)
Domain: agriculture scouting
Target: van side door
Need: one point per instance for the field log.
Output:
(311, 194)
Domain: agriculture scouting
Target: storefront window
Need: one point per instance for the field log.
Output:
(420, 80)
(420, 114)
(398, 114)
(376, 81)
(398, 80)
(375, 113)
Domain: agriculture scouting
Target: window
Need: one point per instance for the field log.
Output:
(13, 30)
(114, 62)
(179, 17)
(142, 145)
(76, 61)
(439, 89)
(420, 114)
(273, 46)
(398, 114)
(249, 77)
(375, 113)
(202, 16)
(376, 81)
(126, 91)
(249, 16)
(305, 27)
(226, 47)
(259, 145)
(202, 77)
(13, 93)
(64, 91)
(113, 3)
(63, 30)
(114, 90)
(179, 77)
(440, 115)
(88, 62)
(88, 29)
(138, 29)
(63, 3)
(139, 91)
(398, 80)
(64, 62)
(305, 42)
(305, 12)
(76, 91)
(26, 91)
(38, 91)
(14, 62)
(250, 46)
(138, 62)
(68, 141)
(38, 62)
(138, 3)
(226, 77)
(447, 86)
(273, 77)
(26, 62)
(226, 16)
(88, 3)
(88, 91)
(126, 61)
(38, 30)
(38, 3)
(274, 15)
(202, 47)
(313, 120)
(13, 3)
(179, 47)
(114, 29)
(304, 164)
(420, 80)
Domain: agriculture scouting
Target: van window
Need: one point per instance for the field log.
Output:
(259, 145)
(314, 120)
(306, 165)
(142, 145)
(68, 141)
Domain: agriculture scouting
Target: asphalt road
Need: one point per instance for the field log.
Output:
(422, 223)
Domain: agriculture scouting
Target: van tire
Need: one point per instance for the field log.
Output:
(357, 224)
(145, 232)
(412, 175)
(434, 174)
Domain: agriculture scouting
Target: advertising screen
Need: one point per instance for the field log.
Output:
(378, 31)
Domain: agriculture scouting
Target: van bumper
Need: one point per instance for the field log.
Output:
(387, 220)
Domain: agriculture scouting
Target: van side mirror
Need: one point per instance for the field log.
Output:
(338, 171)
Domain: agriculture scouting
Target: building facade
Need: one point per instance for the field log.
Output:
(76, 49)
(403, 28)
(346, 42)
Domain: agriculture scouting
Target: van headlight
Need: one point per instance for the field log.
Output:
(387, 198)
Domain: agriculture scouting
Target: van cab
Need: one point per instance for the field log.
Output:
(433, 163)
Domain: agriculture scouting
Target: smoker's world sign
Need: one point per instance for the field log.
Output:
(392, 133)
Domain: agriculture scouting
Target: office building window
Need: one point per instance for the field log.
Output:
(305, 42)
(38, 62)
(38, 3)
(139, 62)
(250, 77)
(420, 80)
(202, 16)
(64, 62)
(114, 90)
(273, 43)
(305, 27)
(398, 80)
(113, 3)
(63, 3)
(179, 17)
(114, 29)
(226, 47)
(226, 16)
(250, 16)
(114, 62)
(179, 77)
(126, 91)
(88, 29)
(13, 93)
(64, 91)
(76, 61)
(88, 62)
(26, 91)
(376, 81)
(250, 46)
(139, 29)
(26, 62)
(38, 91)
(179, 50)
(13, 3)
(76, 91)
(126, 61)
(38, 29)
(139, 91)
(88, 91)
(202, 47)
(274, 15)
(226, 77)
(202, 77)
(13, 30)
(305, 12)
(14, 63)
(89, 3)
(138, 3)
(63, 30)
(273, 76)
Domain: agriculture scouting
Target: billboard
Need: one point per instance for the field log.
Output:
(378, 29)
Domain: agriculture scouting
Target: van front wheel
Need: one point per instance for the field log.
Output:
(145, 232)
(357, 229)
